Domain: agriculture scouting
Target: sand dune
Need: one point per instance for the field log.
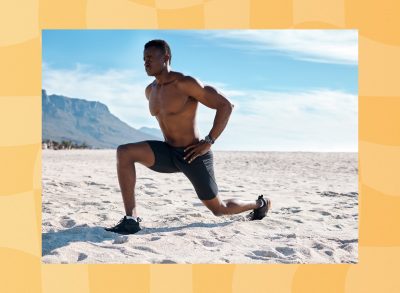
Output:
(314, 216)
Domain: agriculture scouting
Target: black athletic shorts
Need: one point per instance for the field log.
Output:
(200, 171)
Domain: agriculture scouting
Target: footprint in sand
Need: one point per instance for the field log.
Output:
(69, 184)
(318, 246)
(93, 183)
(121, 239)
(325, 213)
(341, 216)
(167, 261)
(82, 256)
(103, 217)
(286, 250)
(67, 223)
(149, 185)
(195, 215)
(146, 178)
(329, 193)
(214, 234)
(264, 253)
(291, 210)
(144, 248)
(208, 243)
(348, 247)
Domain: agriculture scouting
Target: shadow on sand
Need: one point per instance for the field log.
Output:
(85, 233)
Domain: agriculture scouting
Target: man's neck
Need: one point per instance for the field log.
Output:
(164, 77)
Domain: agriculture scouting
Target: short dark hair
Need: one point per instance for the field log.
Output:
(160, 44)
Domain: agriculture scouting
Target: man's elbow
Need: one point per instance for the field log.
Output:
(228, 106)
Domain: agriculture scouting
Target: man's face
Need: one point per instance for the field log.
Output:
(154, 61)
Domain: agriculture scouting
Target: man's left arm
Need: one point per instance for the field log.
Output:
(211, 98)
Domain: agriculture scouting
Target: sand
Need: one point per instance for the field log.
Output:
(314, 215)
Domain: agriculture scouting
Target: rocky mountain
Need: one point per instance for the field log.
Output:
(82, 121)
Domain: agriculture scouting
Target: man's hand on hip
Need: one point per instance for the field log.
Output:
(196, 150)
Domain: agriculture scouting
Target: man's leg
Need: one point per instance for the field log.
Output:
(127, 156)
(230, 206)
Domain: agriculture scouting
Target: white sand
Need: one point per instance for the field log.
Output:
(314, 215)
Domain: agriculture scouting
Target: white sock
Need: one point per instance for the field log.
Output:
(130, 217)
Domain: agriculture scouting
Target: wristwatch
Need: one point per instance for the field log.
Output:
(209, 139)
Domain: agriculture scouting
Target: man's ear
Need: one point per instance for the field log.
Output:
(167, 58)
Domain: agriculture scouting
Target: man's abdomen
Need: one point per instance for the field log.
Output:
(179, 131)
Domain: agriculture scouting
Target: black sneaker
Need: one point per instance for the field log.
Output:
(126, 226)
(261, 212)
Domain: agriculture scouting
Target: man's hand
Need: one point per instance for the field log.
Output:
(196, 150)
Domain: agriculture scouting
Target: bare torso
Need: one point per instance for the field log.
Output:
(175, 112)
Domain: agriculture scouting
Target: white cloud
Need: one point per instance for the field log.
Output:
(326, 46)
(313, 120)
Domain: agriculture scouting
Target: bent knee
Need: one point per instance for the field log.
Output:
(218, 212)
(125, 154)
(121, 151)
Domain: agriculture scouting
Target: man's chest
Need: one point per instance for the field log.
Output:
(166, 101)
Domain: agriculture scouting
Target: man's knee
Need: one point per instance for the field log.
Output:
(121, 151)
(219, 211)
(125, 153)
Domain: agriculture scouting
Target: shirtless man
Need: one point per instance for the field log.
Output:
(173, 100)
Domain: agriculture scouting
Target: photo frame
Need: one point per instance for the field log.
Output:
(20, 145)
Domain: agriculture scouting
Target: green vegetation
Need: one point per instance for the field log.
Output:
(63, 145)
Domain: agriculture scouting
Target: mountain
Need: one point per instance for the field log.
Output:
(152, 131)
(82, 121)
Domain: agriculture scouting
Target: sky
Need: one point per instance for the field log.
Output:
(293, 90)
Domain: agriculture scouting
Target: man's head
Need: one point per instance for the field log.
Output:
(156, 56)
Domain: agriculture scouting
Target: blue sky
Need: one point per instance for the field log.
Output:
(293, 90)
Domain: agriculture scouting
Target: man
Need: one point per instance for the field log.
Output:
(173, 100)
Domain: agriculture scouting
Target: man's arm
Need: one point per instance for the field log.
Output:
(208, 96)
(211, 98)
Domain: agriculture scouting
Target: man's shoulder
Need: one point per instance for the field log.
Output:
(148, 88)
(187, 80)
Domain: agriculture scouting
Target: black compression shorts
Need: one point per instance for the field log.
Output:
(200, 171)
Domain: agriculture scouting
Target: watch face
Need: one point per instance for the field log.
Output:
(209, 139)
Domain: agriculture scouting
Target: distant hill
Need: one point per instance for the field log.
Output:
(82, 121)
(152, 131)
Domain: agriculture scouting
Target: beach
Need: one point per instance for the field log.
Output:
(314, 215)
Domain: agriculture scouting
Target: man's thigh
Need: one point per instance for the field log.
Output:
(140, 152)
(201, 174)
(163, 161)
